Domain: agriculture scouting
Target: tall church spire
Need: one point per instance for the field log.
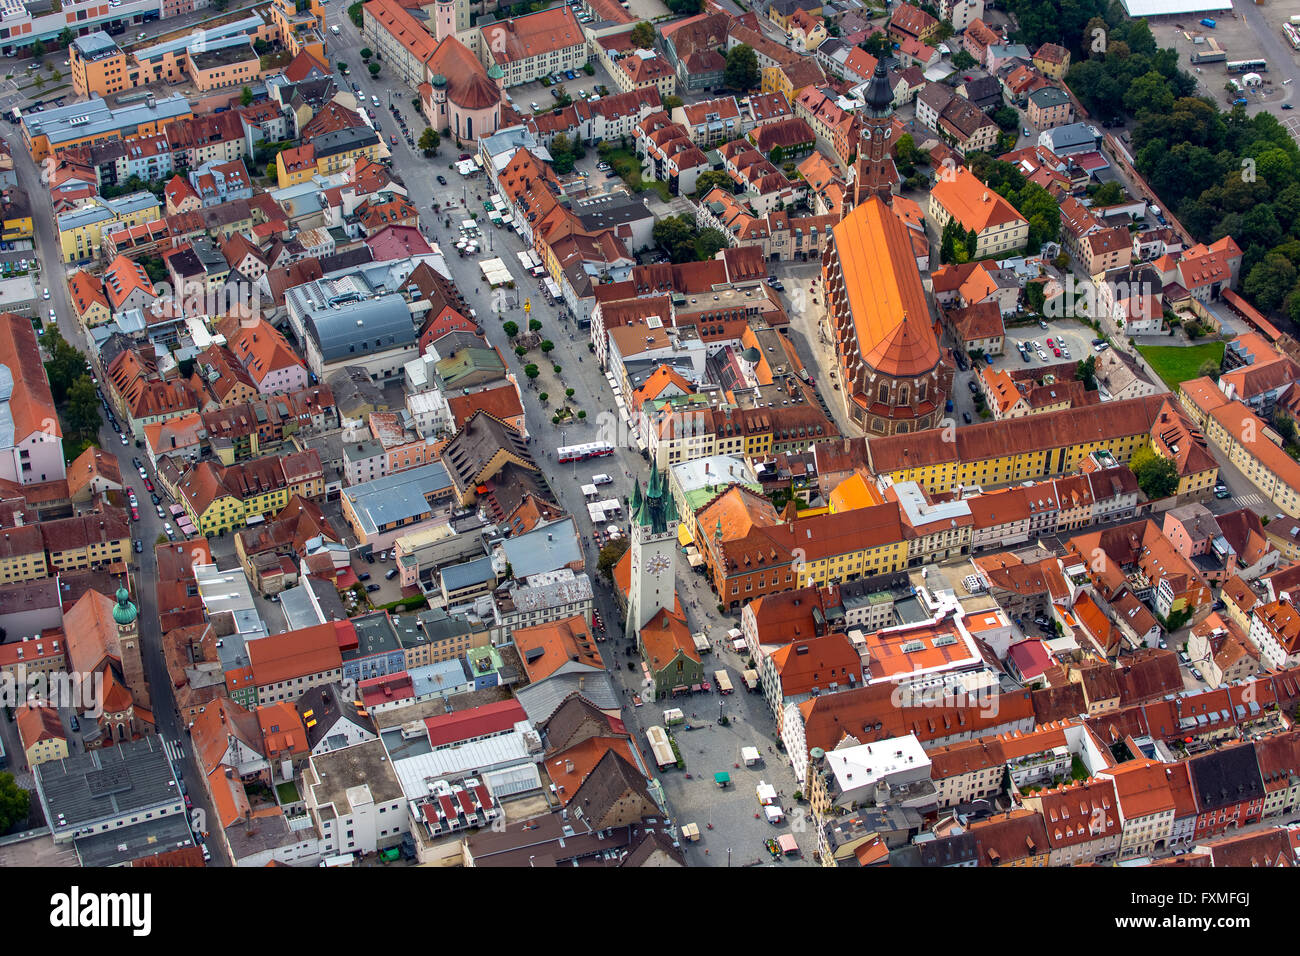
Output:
(874, 172)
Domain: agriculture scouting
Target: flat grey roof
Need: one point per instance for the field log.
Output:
(396, 497)
(463, 575)
(95, 118)
(140, 840)
(105, 783)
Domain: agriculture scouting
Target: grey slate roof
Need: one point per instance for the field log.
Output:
(542, 699)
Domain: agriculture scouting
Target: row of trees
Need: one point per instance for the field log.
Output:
(73, 392)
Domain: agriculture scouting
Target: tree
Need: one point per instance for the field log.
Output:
(878, 44)
(547, 346)
(609, 557)
(534, 325)
(66, 37)
(341, 67)
(1156, 476)
(357, 14)
(245, 97)
(675, 235)
(706, 182)
(1006, 118)
(1108, 194)
(672, 102)
(568, 393)
(544, 398)
(1087, 373)
(83, 408)
(374, 69)
(367, 53)
(777, 156)
(643, 36)
(1269, 281)
(953, 246)
(741, 71)
(961, 60)
(532, 371)
(430, 141)
(521, 350)
(15, 802)
(588, 68)
(709, 243)
(1209, 369)
(38, 50)
(510, 329)
(65, 364)
(561, 154)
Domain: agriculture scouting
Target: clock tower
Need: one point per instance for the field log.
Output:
(874, 172)
(654, 539)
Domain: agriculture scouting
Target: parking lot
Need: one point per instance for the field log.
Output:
(539, 97)
(1077, 345)
(1254, 33)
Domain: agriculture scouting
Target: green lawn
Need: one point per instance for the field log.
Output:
(625, 163)
(1176, 364)
(288, 792)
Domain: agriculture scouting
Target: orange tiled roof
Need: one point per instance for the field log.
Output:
(544, 648)
(972, 203)
(884, 292)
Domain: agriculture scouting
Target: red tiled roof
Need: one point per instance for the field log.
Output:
(475, 722)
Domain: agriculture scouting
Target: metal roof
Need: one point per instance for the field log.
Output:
(357, 328)
(396, 497)
(459, 576)
(94, 118)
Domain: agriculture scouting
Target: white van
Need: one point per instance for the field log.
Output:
(601, 479)
(335, 29)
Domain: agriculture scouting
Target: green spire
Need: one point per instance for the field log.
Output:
(636, 496)
(124, 611)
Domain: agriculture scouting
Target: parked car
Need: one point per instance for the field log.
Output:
(74, 724)
(972, 386)
(139, 547)
(966, 417)
(392, 573)
(1197, 674)
(372, 588)
(442, 181)
(363, 576)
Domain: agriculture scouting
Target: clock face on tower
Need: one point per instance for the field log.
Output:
(658, 564)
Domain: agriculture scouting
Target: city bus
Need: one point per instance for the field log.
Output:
(595, 449)
(1247, 66)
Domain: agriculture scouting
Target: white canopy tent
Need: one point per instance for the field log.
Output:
(495, 271)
